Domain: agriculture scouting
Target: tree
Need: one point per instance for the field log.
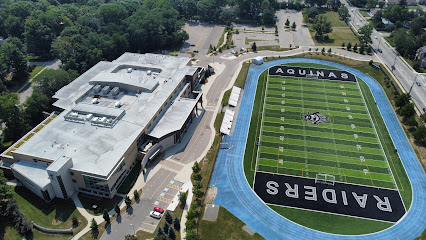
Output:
(287, 23)
(407, 110)
(94, 228)
(168, 217)
(254, 47)
(196, 167)
(365, 33)
(369, 50)
(75, 222)
(176, 223)
(166, 227)
(420, 134)
(197, 192)
(159, 232)
(411, 121)
(172, 234)
(343, 13)
(198, 185)
(323, 50)
(51, 80)
(130, 237)
(192, 213)
(362, 49)
(329, 51)
(5, 191)
(402, 100)
(333, 4)
(322, 26)
(112, 13)
(355, 47)
(117, 209)
(11, 114)
(106, 216)
(268, 13)
(293, 25)
(34, 107)
(371, 4)
(192, 235)
(136, 194)
(182, 199)
(38, 37)
(349, 46)
(311, 13)
(128, 201)
(12, 58)
(343, 45)
(423, 117)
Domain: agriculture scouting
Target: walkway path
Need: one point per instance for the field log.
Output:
(235, 194)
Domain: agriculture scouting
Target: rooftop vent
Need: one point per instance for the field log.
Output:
(95, 101)
(129, 70)
(148, 72)
(117, 104)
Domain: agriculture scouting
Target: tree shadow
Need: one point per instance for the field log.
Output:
(118, 219)
(108, 228)
(129, 210)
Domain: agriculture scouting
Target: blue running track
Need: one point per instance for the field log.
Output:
(235, 194)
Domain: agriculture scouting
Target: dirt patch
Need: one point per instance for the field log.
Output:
(211, 194)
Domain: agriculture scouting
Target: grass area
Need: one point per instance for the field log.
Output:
(105, 203)
(275, 48)
(395, 163)
(239, 82)
(334, 18)
(415, 8)
(364, 13)
(422, 236)
(411, 63)
(337, 37)
(10, 152)
(130, 180)
(227, 226)
(48, 121)
(331, 223)
(19, 144)
(55, 214)
(36, 70)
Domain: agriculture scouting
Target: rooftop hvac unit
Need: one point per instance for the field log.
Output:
(95, 101)
(129, 70)
(89, 116)
(117, 104)
(73, 114)
(115, 91)
(148, 72)
(97, 88)
(106, 90)
(103, 119)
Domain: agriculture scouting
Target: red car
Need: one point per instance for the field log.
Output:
(158, 209)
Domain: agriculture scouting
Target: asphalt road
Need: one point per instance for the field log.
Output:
(407, 77)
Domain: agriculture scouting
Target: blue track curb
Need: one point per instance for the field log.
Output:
(235, 194)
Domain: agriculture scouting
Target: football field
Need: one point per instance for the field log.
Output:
(316, 126)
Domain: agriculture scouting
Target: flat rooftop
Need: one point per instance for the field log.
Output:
(35, 172)
(95, 149)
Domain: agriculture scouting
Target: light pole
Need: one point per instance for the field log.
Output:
(413, 83)
(131, 224)
(394, 61)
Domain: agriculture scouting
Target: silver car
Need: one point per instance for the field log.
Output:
(154, 214)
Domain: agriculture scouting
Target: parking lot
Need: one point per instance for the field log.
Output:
(201, 35)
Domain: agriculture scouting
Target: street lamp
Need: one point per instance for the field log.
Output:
(393, 66)
(131, 224)
(413, 83)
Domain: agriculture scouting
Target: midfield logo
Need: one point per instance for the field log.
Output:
(315, 118)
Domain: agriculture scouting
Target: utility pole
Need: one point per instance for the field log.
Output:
(413, 83)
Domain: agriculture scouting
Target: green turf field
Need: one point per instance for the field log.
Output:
(329, 147)
(346, 146)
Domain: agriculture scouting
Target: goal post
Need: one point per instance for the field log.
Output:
(324, 179)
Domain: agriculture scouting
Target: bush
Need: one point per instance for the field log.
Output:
(117, 209)
(74, 222)
(407, 110)
(136, 194)
(106, 216)
(169, 218)
(128, 201)
(166, 227)
(176, 223)
(411, 121)
(172, 234)
(420, 134)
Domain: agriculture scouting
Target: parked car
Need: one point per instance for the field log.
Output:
(376, 37)
(154, 214)
(418, 84)
(379, 50)
(158, 209)
(195, 51)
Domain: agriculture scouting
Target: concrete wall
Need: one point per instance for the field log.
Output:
(37, 190)
(66, 179)
(164, 144)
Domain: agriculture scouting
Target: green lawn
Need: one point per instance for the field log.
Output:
(331, 223)
(55, 214)
(337, 37)
(334, 18)
(227, 226)
(364, 14)
(275, 48)
(35, 71)
(102, 204)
